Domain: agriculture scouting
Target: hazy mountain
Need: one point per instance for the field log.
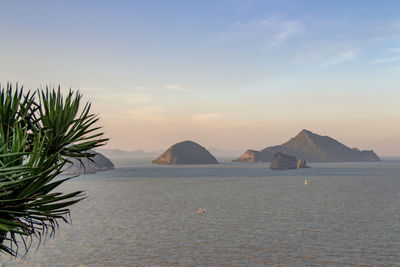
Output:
(186, 152)
(126, 153)
(311, 147)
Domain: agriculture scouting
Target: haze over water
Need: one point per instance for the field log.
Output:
(145, 215)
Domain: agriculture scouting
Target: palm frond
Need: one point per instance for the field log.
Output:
(36, 139)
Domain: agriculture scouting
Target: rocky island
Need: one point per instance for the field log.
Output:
(97, 163)
(311, 147)
(282, 161)
(186, 152)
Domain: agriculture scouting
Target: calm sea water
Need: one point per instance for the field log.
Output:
(145, 215)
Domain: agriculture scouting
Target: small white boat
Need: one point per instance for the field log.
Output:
(201, 211)
(305, 182)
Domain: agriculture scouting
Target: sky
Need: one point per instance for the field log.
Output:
(227, 74)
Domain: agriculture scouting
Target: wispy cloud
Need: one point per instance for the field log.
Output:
(385, 60)
(272, 31)
(93, 88)
(206, 116)
(340, 57)
(152, 113)
(132, 98)
(327, 53)
(394, 49)
(289, 28)
(174, 87)
(383, 32)
(179, 88)
(396, 25)
(140, 88)
(395, 69)
(393, 25)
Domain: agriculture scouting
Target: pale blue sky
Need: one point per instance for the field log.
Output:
(228, 74)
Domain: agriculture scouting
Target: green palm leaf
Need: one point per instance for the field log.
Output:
(39, 132)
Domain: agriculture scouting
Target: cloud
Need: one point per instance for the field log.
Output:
(148, 113)
(395, 69)
(385, 60)
(179, 88)
(174, 87)
(395, 25)
(95, 89)
(272, 31)
(131, 98)
(327, 53)
(290, 28)
(140, 88)
(389, 26)
(394, 49)
(206, 116)
(339, 58)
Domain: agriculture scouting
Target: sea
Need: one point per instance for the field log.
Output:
(348, 214)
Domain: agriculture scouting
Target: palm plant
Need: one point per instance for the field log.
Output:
(39, 133)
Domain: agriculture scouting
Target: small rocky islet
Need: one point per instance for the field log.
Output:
(281, 161)
(186, 152)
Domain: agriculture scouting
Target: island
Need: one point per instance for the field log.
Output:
(187, 152)
(97, 163)
(282, 161)
(311, 147)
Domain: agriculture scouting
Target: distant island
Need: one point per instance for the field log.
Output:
(311, 147)
(99, 163)
(186, 152)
